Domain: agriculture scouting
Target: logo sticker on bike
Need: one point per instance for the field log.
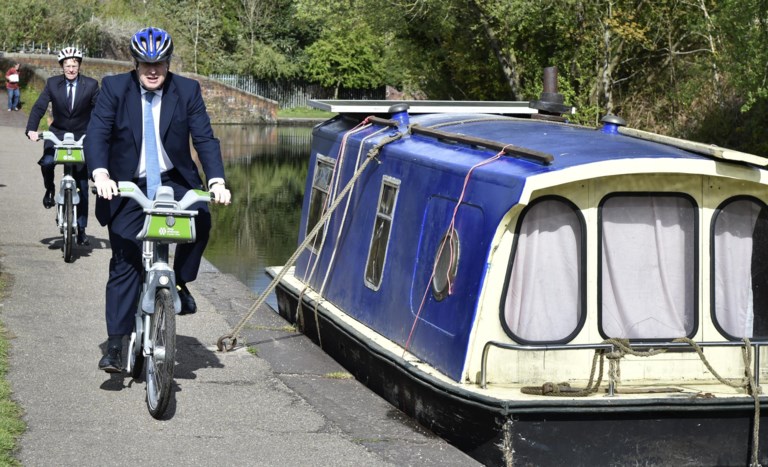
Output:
(180, 229)
(69, 156)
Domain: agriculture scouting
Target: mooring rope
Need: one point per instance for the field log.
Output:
(371, 155)
(333, 185)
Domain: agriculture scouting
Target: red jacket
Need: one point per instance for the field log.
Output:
(8, 84)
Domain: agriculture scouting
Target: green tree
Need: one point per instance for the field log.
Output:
(347, 55)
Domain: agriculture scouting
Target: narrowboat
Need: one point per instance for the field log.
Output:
(538, 292)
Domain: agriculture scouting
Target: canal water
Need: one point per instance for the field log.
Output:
(266, 167)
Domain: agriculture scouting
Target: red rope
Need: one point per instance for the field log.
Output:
(450, 239)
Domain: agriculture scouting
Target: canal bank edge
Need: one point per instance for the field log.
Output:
(278, 406)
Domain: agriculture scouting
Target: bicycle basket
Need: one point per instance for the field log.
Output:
(171, 228)
(69, 156)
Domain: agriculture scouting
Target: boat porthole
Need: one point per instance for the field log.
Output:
(446, 265)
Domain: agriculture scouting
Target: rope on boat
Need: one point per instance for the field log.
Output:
(333, 186)
(622, 348)
(451, 229)
(336, 244)
(371, 155)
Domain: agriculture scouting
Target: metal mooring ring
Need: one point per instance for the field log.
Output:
(220, 343)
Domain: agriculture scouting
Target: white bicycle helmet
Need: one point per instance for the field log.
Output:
(70, 52)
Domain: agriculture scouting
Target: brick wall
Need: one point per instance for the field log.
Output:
(225, 104)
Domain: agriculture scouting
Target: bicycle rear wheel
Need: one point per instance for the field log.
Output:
(159, 364)
(68, 232)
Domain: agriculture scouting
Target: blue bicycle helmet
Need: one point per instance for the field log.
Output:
(151, 45)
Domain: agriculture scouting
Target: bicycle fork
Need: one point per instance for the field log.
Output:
(159, 275)
(67, 183)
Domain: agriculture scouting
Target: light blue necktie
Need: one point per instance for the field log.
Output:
(150, 149)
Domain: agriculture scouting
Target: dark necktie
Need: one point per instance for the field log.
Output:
(70, 100)
(150, 148)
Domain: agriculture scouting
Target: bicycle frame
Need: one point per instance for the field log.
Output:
(69, 153)
(167, 221)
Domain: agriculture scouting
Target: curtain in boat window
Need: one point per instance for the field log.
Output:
(740, 265)
(647, 270)
(318, 201)
(543, 301)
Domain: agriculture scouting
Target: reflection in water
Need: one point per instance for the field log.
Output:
(266, 167)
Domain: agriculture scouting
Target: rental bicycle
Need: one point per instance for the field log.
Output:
(152, 348)
(69, 153)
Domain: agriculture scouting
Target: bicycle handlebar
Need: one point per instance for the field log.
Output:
(67, 142)
(164, 202)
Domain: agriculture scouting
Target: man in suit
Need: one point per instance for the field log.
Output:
(72, 97)
(172, 111)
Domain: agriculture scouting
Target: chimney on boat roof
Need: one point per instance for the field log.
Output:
(551, 104)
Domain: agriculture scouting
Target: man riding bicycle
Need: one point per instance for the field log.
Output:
(140, 131)
(72, 96)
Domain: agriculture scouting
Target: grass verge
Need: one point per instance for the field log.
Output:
(11, 424)
(304, 112)
(338, 375)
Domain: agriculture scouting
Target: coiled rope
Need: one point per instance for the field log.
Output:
(233, 335)
(622, 348)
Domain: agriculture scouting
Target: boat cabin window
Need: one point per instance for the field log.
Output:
(544, 294)
(446, 265)
(377, 253)
(321, 185)
(740, 268)
(647, 271)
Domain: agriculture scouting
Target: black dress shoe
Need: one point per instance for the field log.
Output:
(112, 361)
(188, 305)
(48, 201)
(82, 238)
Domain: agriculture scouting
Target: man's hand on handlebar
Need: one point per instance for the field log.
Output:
(33, 135)
(220, 194)
(105, 186)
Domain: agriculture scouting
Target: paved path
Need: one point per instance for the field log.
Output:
(275, 408)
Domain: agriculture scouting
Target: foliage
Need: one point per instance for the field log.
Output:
(346, 55)
(663, 65)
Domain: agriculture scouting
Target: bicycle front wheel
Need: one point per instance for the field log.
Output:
(68, 231)
(159, 364)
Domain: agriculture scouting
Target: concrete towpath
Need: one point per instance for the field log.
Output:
(277, 407)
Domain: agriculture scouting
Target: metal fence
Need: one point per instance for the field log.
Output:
(294, 93)
(42, 48)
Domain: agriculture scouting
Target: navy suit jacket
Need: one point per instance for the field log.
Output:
(65, 120)
(115, 133)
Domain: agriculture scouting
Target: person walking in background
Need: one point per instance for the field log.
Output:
(140, 131)
(12, 85)
(72, 97)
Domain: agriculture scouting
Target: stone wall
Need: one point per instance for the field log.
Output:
(225, 104)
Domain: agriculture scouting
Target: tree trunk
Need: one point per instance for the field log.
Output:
(507, 60)
(713, 50)
(612, 48)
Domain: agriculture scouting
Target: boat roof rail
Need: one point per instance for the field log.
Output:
(709, 150)
(508, 149)
(423, 107)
